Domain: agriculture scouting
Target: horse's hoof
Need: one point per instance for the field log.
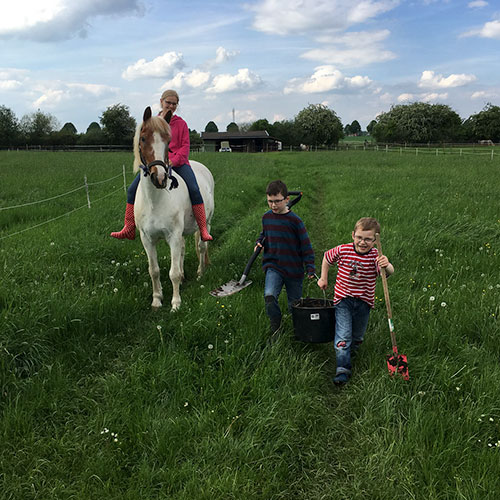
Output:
(156, 305)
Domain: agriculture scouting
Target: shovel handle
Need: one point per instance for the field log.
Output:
(298, 195)
(386, 296)
(250, 262)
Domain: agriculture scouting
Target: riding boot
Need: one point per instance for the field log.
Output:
(199, 215)
(128, 230)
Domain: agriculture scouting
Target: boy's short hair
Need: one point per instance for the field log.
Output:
(277, 187)
(367, 224)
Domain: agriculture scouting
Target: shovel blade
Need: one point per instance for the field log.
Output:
(398, 364)
(229, 288)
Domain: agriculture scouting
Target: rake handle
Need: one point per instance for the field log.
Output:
(386, 296)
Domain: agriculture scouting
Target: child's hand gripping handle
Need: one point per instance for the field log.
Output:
(250, 262)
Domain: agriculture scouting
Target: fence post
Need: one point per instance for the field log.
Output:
(386, 148)
(460, 151)
(124, 179)
(436, 151)
(87, 190)
(416, 151)
(492, 153)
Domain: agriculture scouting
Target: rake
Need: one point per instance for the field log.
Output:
(397, 363)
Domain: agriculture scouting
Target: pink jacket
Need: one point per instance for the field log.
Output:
(179, 144)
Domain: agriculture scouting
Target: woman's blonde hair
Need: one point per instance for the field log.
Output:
(169, 93)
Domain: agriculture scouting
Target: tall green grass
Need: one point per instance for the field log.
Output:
(102, 398)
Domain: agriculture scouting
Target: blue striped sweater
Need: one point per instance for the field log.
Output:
(287, 247)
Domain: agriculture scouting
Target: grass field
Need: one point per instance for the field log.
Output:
(103, 399)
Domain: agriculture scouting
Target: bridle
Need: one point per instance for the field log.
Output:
(146, 168)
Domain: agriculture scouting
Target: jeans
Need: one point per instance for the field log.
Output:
(272, 288)
(351, 320)
(184, 171)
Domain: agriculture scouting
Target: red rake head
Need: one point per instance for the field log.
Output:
(398, 364)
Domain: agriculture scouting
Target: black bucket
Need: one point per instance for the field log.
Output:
(314, 320)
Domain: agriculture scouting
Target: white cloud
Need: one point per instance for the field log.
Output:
(10, 84)
(477, 4)
(325, 79)
(194, 79)
(243, 80)
(490, 29)
(351, 49)
(223, 55)
(50, 20)
(160, 67)
(485, 94)
(314, 16)
(405, 98)
(52, 94)
(426, 97)
(433, 96)
(430, 80)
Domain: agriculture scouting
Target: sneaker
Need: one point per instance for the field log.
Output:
(341, 379)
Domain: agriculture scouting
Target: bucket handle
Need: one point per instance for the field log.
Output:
(309, 286)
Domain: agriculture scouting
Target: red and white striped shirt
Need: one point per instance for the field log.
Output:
(357, 273)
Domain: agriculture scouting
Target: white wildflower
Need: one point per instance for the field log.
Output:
(432, 298)
(443, 304)
(210, 346)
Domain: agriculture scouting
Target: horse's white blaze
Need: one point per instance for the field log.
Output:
(159, 148)
(167, 214)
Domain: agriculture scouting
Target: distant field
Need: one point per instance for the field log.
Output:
(103, 399)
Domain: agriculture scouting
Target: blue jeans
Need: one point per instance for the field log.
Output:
(351, 320)
(184, 171)
(272, 288)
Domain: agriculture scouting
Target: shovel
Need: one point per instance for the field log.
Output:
(233, 286)
(397, 363)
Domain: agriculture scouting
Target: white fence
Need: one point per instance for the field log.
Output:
(86, 185)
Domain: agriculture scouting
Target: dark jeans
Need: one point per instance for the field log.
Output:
(272, 288)
(184, 171)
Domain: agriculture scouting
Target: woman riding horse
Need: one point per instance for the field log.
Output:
(178, 157)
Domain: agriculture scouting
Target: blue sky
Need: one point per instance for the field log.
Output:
(262, 59)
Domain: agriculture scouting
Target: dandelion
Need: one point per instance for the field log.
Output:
(443, 304)
(432, 298)
(424, 289)
(479, 419)
(158, 327)
(117, 264)
(202, 286)
(226, 341)
(52, 243)
(115, 290)
(186, 404)
(457, 388)
(145, 285)
(421, 393)
(210, 346)
(113, 262)
(491, 419)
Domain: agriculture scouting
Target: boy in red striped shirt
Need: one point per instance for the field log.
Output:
(358, 267)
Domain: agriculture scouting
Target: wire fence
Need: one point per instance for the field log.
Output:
(85, 186)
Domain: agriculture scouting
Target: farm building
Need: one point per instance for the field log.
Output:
(246, 142)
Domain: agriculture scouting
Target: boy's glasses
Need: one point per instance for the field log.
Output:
(366, 240)
(275, 202)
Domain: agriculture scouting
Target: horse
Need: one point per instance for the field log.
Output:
(162, 207)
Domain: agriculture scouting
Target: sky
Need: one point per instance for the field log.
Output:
(247, 59)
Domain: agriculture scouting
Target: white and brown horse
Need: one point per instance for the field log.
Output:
(162, 206)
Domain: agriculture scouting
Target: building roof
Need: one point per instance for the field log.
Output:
(216, 136)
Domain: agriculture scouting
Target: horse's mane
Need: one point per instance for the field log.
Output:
(156, 124)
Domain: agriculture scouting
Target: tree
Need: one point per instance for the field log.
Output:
(195, 139)
(211, 127)
(232, 127)
(355, 127)
(9, 127)
(262, 124)
(370, 126)
(484, 125)
(118, 125)
(93, 127)
(418, 122)
(287, 132)
(347, 130)
(37, 127)
(319, 125)
(69, 128)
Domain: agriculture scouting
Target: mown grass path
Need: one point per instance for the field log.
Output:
(102, 398)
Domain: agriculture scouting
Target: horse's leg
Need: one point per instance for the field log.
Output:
(154, 271)
(183, 253)
(176, 268)
(202, 253)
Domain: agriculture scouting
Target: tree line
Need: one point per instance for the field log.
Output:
(315, 125)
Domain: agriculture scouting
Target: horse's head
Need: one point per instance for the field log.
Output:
(151, 147)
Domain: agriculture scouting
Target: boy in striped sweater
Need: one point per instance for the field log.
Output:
(287, 250)
(358, 267)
